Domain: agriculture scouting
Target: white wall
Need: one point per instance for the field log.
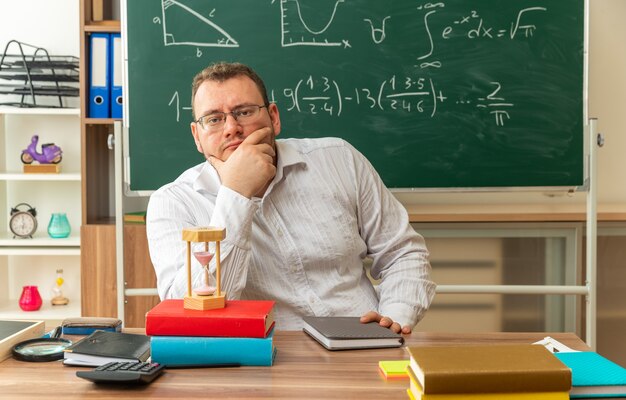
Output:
(607, 95)
(52, 24)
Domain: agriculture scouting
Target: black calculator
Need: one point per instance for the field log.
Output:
(123, 372)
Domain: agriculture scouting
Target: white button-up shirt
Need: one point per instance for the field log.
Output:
(303, 243)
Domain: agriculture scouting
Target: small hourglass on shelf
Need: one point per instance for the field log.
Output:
(209, 295)
(59, 299)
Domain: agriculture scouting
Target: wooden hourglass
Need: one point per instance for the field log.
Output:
(205, 297)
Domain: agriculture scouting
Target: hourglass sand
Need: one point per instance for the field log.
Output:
(204, 258)
(205, 297)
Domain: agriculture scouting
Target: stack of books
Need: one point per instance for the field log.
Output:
(239, 334)
(520, 372)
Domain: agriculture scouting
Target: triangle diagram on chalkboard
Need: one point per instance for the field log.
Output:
(182, 25)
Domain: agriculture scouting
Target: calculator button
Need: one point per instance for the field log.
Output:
(128, 372)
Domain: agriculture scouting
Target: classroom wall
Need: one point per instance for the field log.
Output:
(607, 95)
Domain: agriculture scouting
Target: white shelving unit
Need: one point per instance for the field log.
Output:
(35, 261)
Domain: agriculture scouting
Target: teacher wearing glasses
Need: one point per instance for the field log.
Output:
(300, 215)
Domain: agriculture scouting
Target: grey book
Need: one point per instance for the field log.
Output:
(102, 347)
(343, 333)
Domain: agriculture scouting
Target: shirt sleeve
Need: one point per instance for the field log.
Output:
(170, 211)
(399, 254)
(235, 212)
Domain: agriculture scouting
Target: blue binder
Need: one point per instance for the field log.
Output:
(115, 56)
(99, 76)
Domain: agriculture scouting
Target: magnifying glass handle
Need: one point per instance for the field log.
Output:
(55, 333)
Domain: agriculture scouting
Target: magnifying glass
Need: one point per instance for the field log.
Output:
(41, 349)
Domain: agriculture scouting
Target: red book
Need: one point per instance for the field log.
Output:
(240, 318)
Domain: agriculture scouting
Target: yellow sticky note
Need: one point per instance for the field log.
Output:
(394, 368)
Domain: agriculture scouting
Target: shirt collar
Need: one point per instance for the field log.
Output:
(209, 181)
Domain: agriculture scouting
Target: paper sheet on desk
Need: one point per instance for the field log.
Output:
(555, 346)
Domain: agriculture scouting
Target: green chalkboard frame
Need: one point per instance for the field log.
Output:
(436, 95)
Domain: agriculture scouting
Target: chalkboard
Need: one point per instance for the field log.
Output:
(485, 93)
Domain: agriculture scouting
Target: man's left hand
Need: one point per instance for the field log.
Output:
(373, 316)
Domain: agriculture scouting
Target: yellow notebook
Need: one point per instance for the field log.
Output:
(493, 396)
(415, 393)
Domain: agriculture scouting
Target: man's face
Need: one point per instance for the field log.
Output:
(227, 96)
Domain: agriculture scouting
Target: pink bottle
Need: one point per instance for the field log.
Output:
(30, 300)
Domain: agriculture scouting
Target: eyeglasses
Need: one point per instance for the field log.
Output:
(244, 115)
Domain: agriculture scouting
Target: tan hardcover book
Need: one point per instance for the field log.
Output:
(488, 369)
(13, 332)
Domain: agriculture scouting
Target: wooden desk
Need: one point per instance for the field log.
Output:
(302, 370)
